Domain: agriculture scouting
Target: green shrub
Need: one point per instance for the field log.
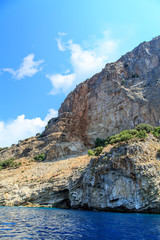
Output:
(3, 148)
(16, 165)
(7, 163)
(122, 136)
(123, 82)
(144, 126)
(98, 150)
(99, 142)
(135, 75)
(39, 158)
(141, 134)
(156, 132)
(90, 152)
(158, 152)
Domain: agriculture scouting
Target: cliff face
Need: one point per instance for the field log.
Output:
(122, 95)
(123, 178)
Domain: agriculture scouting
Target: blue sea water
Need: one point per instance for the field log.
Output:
(49, 224)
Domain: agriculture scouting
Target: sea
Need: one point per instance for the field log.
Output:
(50, 223)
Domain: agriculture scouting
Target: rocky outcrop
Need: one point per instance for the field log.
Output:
(123, 179)
(122, 95)
(40, 184)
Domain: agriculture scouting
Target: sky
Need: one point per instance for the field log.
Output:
(47, 47)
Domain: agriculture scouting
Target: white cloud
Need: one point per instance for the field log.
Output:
(22, 128)
(61, 82)
(51, 114)
(28, 68)
(61, 45)
(84, 62)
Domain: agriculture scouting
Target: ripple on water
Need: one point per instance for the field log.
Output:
(46, 223)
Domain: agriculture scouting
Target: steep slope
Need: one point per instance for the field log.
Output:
(124, 177)
(122, 95)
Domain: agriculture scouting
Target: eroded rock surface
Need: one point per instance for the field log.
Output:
(125, 179)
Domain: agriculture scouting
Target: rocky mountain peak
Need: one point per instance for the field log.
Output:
(124, 94)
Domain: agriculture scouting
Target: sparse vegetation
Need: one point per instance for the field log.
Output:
(39, 158)
(97, 151)
(99, 142)
(122, 136)
(144, 126)
(135, 75)
(158, 152)
(9, 163)
(123, 82)
(1, 149)
(141, 131)
(90, 152)
(156, 132)
(141, 134)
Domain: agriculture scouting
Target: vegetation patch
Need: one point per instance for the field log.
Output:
(99, 142)
(98, 150)
(156, 132)
(90, 152)
(158, 152)
(141, 131)
(141, 134)
(9, 163)
(1, 149)
(144, 126)
(39, 158)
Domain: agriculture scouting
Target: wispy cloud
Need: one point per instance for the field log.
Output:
(84, 62)
(28, 68)
(60, 44)
(22, 128)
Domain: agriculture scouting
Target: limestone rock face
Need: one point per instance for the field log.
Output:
(125, 179)
(122, 95)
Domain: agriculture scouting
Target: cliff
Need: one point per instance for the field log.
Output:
(122, 95)
(125, 177)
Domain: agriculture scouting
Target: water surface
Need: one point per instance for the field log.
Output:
(49, 224)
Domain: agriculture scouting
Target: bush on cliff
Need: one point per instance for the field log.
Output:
(8, 163)
(141, 131)
(158, 152)
(144, 126)
(156, 132)
(99, 142)
(90, 152)
(39, 158)
(122, 136)
(98, 150)
(141, 134)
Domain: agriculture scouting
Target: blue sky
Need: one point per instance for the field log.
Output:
(49, 46)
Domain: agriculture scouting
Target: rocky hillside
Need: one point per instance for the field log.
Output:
(124, 177)
(122, 95)
(53, 169)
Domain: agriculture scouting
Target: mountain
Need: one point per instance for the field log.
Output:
(124, 94)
